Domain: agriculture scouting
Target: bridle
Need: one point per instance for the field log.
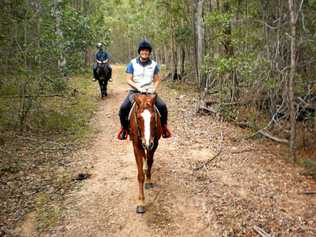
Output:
(139, 134)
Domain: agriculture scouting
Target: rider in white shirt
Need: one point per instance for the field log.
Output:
(142, 76)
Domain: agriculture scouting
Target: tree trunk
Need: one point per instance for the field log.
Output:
(59, 33)
(182, 61)
(85, 6)
(199, 40)
(167, 58)
(293, 21)
(174, 72)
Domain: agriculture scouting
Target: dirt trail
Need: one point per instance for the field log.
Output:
(245, 186)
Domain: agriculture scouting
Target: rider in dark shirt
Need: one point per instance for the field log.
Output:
(101, 56)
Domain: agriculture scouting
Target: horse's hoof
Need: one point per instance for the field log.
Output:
(149, 185)
(140, 209)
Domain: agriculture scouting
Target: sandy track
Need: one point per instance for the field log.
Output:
(244, 187)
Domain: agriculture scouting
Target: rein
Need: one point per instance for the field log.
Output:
(156, 122)
(136, 121)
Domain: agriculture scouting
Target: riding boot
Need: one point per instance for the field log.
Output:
(110, 68)
(95, 76)
(165, 131)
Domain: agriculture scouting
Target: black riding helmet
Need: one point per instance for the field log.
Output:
(144, 45)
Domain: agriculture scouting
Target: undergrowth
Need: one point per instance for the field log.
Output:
(34, 161)
(248, 117)
(68, 112)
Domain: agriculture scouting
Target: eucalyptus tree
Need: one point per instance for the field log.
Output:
(265, 47)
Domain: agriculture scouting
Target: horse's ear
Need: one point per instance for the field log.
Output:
(137, 99)
(153, 99)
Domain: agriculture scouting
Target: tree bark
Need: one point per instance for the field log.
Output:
(293, 21)
(199, 39)
(59, 33)
(182, 61)
(174, 59)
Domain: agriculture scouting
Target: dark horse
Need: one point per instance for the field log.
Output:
(103, 76)
(145, 132)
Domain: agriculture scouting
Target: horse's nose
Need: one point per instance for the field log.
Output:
(151, 146)
(148, 147)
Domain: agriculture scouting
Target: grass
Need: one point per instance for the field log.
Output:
(310, 166)
(69, 113)
(55, 126)
(46, 213)
(65, 119)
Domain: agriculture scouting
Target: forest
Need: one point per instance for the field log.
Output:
(250, 63)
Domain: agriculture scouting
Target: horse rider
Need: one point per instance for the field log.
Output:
(142, 77)
(101, 56)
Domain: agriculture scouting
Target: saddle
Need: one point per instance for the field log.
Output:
(134, 104)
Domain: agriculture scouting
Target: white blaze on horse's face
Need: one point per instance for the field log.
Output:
(146, 116)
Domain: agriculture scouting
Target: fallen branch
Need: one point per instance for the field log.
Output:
(309, 193)
(155, 199)
(213, 158)
(243, 124)
(235, 103)
(261, 232)
(277, 139)
(208, 161)
(268, 135)
(207, 109)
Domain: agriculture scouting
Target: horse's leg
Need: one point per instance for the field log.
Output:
(139, 155)
(100, 84)
(150, 161)
(105, 87)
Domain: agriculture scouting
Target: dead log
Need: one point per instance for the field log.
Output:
(206, 109)
(261, 232)
(277, 139)
(309, 193)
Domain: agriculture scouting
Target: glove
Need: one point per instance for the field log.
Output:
(147, 90)
(141, 90)
(151, 91)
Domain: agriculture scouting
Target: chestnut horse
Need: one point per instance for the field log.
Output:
(145, 132)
